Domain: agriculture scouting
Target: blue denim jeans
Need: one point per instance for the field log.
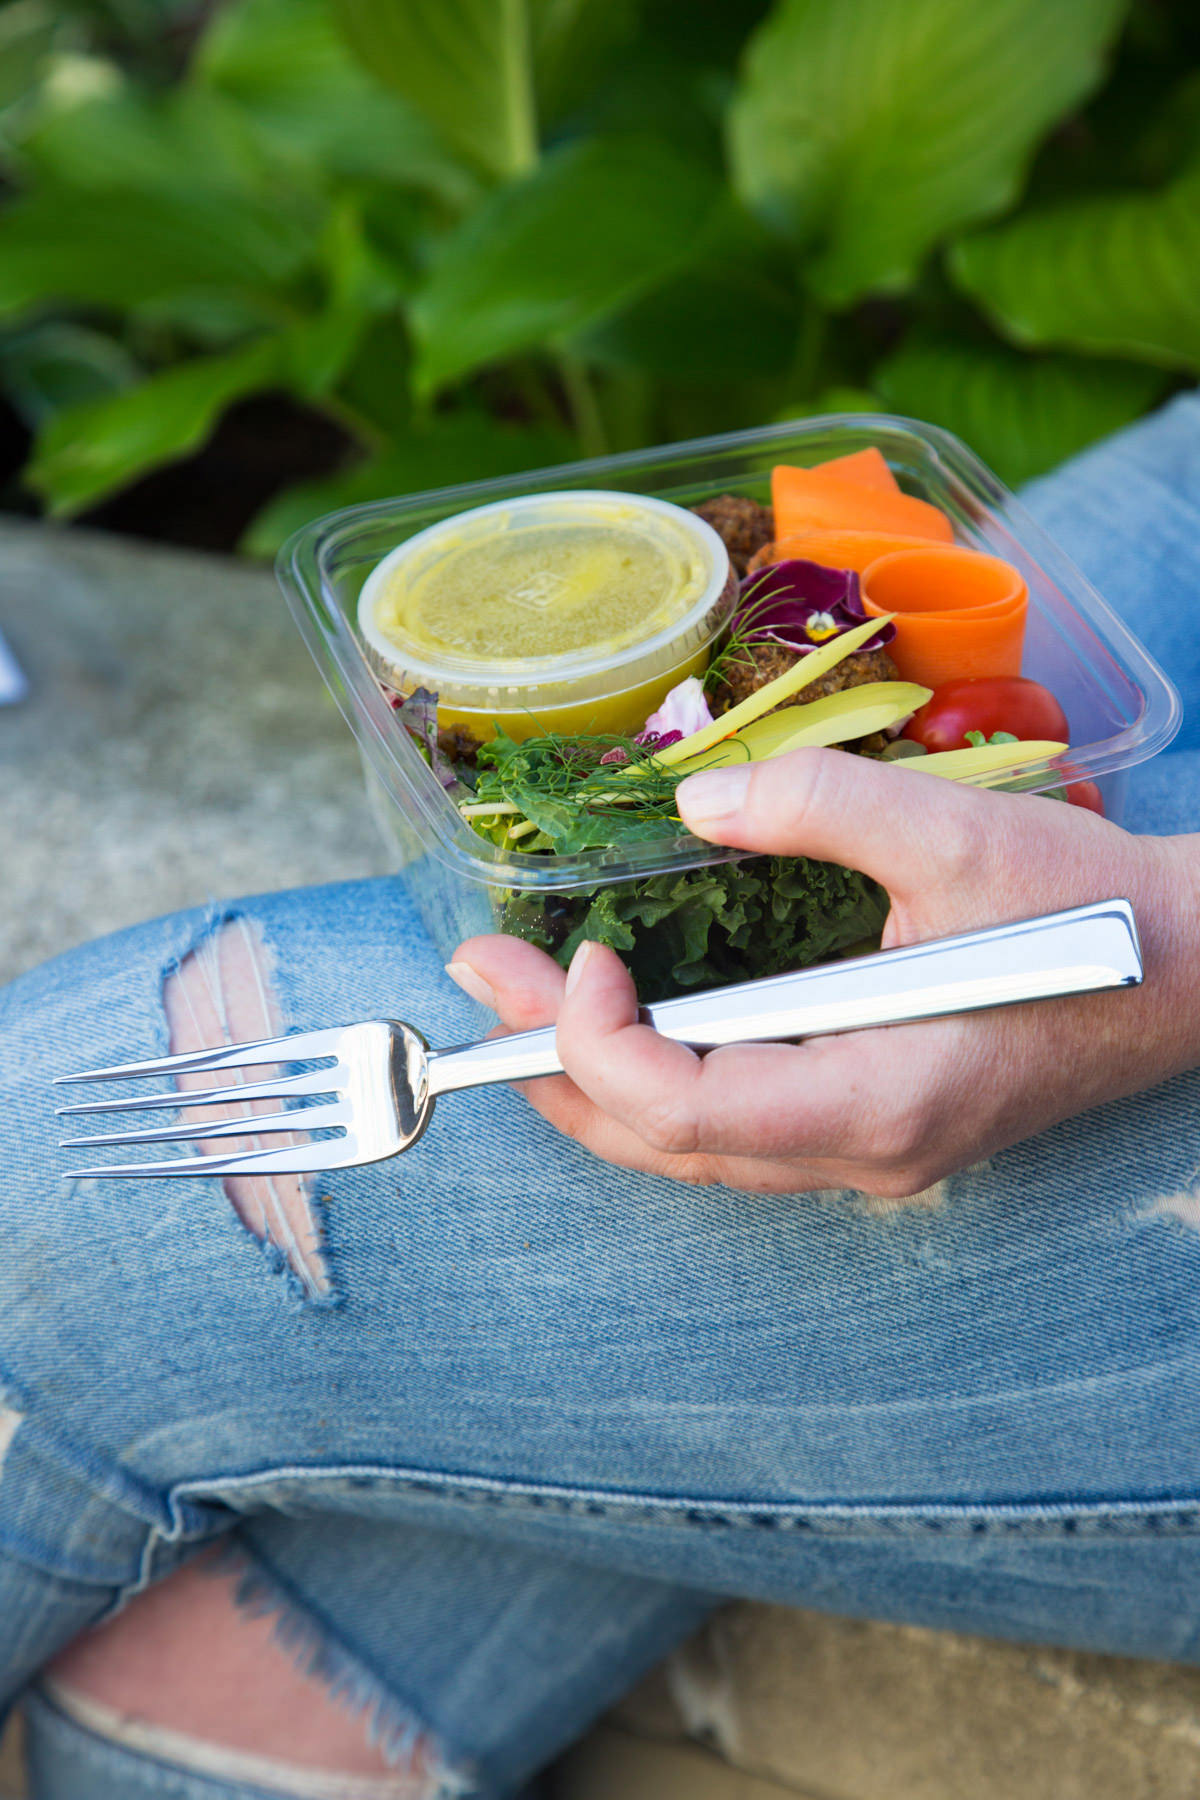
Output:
(550, 1412)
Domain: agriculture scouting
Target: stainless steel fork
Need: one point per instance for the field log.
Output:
(380, 1079)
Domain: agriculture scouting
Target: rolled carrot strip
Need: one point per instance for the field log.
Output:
(957, 611)
(844, 549)
(820, 499)
(868, 467)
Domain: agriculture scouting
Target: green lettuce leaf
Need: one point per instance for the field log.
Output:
(709, 927)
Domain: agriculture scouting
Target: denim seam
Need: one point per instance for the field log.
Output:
(1065, 1518)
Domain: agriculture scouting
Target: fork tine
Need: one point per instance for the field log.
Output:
(316, 1081)
(302, 1046)
(292, 1159)
(304, 1118)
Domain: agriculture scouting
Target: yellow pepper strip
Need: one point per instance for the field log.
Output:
(808, 669)
(984, 759)
(834, 719)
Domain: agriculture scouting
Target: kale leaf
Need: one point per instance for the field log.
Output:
(709, 927)
(683, 929)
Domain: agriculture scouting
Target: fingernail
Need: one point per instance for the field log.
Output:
(708, 799)
(579, 963)
(466, 978)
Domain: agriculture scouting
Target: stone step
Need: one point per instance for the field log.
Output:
(851, 1710)
(177, 744)
(12, 1774)
(614, 1765)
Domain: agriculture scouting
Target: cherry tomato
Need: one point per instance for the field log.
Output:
(987, 703)
(1086, 793)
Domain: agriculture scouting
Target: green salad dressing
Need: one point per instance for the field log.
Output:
(550, 590)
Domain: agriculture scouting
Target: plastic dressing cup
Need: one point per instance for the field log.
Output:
(958, 612)
(572, 611)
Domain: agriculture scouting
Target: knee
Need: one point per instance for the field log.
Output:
(224, 992)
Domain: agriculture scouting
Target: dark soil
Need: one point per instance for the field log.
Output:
(206, 501)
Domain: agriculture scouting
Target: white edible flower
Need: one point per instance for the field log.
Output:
(684, 710)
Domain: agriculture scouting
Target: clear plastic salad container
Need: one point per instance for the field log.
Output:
(1120, 706)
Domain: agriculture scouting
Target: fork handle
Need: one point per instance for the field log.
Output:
(1082, 950)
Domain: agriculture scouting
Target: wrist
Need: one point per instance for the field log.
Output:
(1166, 883)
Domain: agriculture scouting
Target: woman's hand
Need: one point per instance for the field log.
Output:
(889, 1111)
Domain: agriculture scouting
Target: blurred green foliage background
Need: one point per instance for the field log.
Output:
(481, 235)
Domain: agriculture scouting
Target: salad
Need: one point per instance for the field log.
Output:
(857, 622)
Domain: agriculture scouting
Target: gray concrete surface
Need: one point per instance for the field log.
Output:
(12, 1776)
(177, 744)
(794, 1703)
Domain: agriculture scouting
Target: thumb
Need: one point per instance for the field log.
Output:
(902, 828)
(521, 984)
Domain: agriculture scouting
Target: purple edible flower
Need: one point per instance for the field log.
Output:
(800, 606)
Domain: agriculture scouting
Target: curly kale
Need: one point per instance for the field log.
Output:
(708, 927)
(687, 928)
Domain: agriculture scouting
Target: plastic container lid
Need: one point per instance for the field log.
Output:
(557, 565)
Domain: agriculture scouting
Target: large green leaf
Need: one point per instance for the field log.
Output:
(1118, 275)
(870, 129)
(123, 248)
(27, 32)
(377, 387)
(359, 287)
(465, 64)
(89, 450)
(54, 363)
(449, 450)
(174, 141)
(594, 226)
(1021, 414)
(730, 313)
(286, 65)
(571, 43)
(838, 398)
(717, 321)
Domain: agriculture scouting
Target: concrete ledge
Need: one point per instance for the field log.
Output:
(177, 744)
(613, 1765)
(846, 1710)
(12, 1775)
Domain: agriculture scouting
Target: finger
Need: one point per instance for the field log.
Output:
(563, 1105)
(519, 982)
(526, 988)
(768, 1101)
(628, 1069)
(896, 825)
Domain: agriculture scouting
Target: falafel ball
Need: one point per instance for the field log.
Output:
(742, 525)
(764, 662)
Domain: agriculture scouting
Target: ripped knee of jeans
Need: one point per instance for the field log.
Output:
(223, 992)
(219, 1674)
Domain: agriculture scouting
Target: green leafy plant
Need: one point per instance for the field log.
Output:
(481, 235)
